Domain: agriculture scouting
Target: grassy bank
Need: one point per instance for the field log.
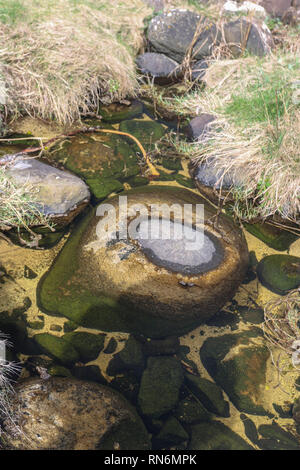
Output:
(62, 58)
(256, 106)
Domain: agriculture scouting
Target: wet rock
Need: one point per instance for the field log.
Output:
(111, 346)
(249, 428)
(153, 287)
(161, 347)
(216, 436)
(103, 160)
(171, 33)
(209, 394)
(91, 373)
(172, 433)
(117, 112)
(57, 348)
(243, 34)
(58, 194)
(284, 411)
(147, 132)
(215, 183)
(279, 273)
(199, 126)
(277, 239)
(128, 384)
(251, 315)
(130, 358)
(160, 67)
(160, 385)
(69, 414)
(191, 411)
(69, 326)
(275, 435)
(57, 370)
(237, 363)
(87, 345)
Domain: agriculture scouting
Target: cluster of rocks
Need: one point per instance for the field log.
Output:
(173, 34)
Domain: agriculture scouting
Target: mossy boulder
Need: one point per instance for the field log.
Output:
(216, 436)
(57, 348)
(277, 239)
(160, 386)
(279, 273)
(237, 363)
(87, 345)
(103, 159)
(120, 285)
(209, 394)
(70, 414)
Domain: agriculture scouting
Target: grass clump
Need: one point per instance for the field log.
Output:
(257, 108)
(18, 207)
(61, 59)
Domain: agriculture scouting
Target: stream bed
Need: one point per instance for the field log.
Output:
(227, 392)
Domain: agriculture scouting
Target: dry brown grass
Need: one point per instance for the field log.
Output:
(263, 152)
(62, 61)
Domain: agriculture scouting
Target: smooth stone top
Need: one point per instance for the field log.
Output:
(188, 250)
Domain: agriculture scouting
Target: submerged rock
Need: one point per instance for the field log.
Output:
(57, 194)
(216, 436)
(171, 33)
(70, 414)
(279, 273)
(272, 236)
(147, 132)
(117, 112)
(160, 67)
(237, 362)
(157, 287)
(105, 161)
(160, 385)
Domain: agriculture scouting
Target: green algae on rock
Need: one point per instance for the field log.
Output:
(279, 273)
(69, 414)
(116, 112)
(117, 285)
(216, 436)
(147, 132)
(274, 237)
(237, 362)
(87, 345)
(160, 386)
(103, 160)
(57, 348)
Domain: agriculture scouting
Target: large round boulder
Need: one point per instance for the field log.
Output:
(158, 285)
(70, 414)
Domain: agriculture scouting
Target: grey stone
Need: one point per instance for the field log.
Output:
(199, 127)
(171, 33)
(57, 193)
(159, 66)
(242, 34)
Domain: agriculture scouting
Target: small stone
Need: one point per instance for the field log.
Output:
(87, 345)
(130, 358)
(171, 433)
(160, 67)
(191, 411)
(209, 394)
(111, 346)
(279, 273)
(199, 126)
(160, 385)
